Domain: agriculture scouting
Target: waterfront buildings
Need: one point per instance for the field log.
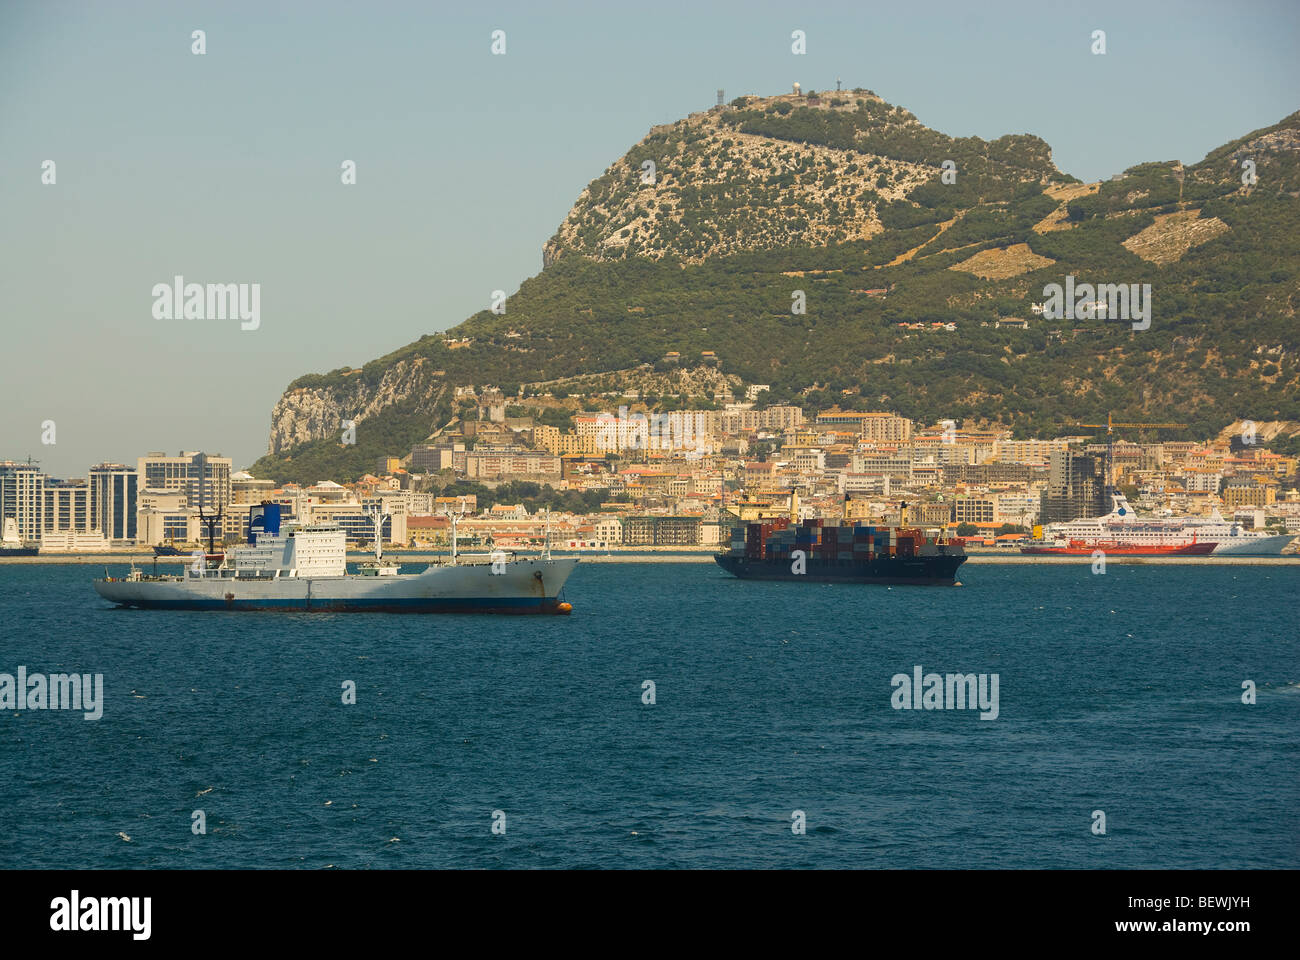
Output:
(660, 480)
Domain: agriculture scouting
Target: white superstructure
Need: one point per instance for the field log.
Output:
(306, 550)
(1123, 525)
(9, 538)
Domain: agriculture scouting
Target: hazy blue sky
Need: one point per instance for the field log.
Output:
(225, 167)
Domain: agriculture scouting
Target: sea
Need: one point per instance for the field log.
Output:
(1146, 717)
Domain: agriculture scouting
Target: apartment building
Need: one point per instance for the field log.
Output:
(896, 466)
(660, 531)
(114, 493)
(1032, 452)
(973, 510)
(22, 498)
(205, 479)
(511, 463)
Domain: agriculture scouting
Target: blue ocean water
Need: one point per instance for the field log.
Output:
(1120, 693)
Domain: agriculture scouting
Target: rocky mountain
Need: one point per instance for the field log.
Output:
(837, 249)
(764, 172)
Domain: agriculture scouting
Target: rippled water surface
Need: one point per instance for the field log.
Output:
(1120, 693)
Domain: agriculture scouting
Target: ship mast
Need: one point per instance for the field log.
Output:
(453, 517)
(210, 521)
(378, 517)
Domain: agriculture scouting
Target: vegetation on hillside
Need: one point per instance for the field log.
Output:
(1222, 344)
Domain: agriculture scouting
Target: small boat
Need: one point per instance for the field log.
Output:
(11, 545)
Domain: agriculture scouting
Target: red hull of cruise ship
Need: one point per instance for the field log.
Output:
(1116, 549)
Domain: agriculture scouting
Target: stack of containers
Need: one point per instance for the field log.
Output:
(835, 542)
(761, 538)
(844, 549)
(861, 548)
(875, 539)
(780, 543)
(806, 538)
(737, 539)
(910, 540)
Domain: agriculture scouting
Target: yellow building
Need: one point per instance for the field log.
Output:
(582, 445)
(1282, 467)
(547, 438)
(858, 508)
(872, 427)
(754, 511)
(934, 514)
(1249, 495)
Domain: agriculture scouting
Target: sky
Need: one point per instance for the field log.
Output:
(226, 167)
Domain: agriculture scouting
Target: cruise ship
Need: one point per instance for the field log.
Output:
(1122, 528)
(303, 567)
(1233, 539)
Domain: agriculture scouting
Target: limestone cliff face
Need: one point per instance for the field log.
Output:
(769, 172)
(315, 412)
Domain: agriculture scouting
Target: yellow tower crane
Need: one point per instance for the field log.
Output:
(1110, 426)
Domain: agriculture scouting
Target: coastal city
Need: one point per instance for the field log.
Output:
(609, 479)
(593, 438)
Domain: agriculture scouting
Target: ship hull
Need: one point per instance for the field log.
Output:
(936, 570)
(18, 552)
(524, 587)
(1253, 546)
(1120, 550)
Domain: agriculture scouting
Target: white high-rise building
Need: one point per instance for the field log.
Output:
(67, 507)
(22, 498)
(114, 501)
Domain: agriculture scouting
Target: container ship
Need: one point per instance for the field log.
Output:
(829, 551)
(303, 567)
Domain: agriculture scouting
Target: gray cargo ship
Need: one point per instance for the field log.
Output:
(303, 567)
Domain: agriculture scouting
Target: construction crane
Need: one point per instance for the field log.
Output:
(1110, 426)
